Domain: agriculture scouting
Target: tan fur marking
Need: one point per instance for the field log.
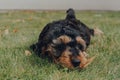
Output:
(65, 60)
(51, 50)
(81, 41)
(65, 39)
(89, 61)
(84, 61)
(85, 54)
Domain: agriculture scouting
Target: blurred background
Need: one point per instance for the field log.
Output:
(60, 4)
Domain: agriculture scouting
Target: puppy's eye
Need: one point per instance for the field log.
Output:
(80, 47)
(60, 47)
(71, 44)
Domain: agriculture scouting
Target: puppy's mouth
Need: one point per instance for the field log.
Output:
(80, 61)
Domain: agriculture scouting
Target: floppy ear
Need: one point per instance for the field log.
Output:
(51, 51)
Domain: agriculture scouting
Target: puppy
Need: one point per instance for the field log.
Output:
(65, 42)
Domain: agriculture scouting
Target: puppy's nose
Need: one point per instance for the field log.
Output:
(76, 62)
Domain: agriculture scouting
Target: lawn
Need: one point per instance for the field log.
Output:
(20, 29)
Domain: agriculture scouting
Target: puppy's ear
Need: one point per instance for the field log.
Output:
(52, 51)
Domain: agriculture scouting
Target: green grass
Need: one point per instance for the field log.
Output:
(15, 65)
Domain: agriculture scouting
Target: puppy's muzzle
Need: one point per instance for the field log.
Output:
(75, 62)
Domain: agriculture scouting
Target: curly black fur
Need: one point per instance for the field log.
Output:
(69, 26)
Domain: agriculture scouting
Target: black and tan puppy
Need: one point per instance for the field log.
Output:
(65, 41)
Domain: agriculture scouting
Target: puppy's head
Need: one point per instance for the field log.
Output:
(68, 52)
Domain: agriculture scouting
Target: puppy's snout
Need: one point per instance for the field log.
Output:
(76, 62)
